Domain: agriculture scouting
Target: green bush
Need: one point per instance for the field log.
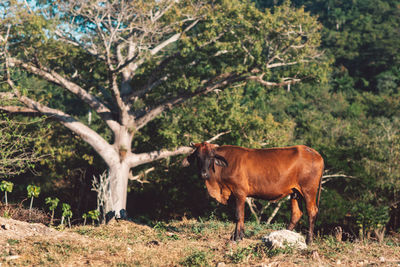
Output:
(369, 218)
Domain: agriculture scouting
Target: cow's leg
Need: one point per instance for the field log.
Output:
(296, 212)
(312, 211)
(239, 229)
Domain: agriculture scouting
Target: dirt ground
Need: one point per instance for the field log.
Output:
(177, 243)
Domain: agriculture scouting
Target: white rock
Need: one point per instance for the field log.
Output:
(285, 238)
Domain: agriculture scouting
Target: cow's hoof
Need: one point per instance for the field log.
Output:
(237, 236)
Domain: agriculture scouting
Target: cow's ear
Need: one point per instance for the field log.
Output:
(220, 161)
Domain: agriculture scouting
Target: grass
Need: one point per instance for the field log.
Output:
(185, 243)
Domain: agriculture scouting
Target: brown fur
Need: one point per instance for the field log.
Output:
(269, 174)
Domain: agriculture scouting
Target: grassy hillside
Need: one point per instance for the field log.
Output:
(178, 243)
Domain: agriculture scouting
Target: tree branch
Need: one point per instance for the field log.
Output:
(87, 134)
(70, 40)
(218, 82)
(162, 45)
(18, 109)
(139, 159)
(88, 98)
(134, 160)
(141, 175)
(326, 178)
(286, 81)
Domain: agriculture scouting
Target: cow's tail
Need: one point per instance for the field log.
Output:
(320, 187)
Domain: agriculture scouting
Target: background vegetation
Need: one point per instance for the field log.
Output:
(348, 110)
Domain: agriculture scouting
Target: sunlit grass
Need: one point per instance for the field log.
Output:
(184, 243)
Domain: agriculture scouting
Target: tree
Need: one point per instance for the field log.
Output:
(130, 62)
(362, 35)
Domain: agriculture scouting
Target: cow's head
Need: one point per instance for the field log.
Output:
(205, 155)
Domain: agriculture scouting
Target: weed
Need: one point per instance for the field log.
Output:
(392, 243)
(197, 258)
(84, 230)
(12, 241)
(160, 227)
(271, 252)
(330, 247)
(198, 228)
(254, 229)
(276, 226)
(241, 255)
(6, 214)
(49, 258)
(260, 250)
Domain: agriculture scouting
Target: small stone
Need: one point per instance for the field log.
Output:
(338, 262)
(11, 252)
(153, 243)
(220, 264)
(6, 226)
(382, 259)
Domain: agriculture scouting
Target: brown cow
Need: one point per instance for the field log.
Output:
(270, 174)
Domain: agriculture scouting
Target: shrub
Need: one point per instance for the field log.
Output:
(370, 219)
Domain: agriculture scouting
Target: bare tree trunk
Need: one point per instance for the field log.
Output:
(118, 175)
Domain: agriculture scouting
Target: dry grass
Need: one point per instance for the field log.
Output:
(18, 212)
(186, 242)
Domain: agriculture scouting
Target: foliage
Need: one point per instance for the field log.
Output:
(362, 35)
(66, 214)
(33, 191)
(369, 218)
(53, 203)
(197, 258)
(17, 150)
(94, 215)
(229, 111)
(6, 186)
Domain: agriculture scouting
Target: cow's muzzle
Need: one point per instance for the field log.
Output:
(205, 175)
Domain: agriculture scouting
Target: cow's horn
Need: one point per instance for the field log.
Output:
(191, 144)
